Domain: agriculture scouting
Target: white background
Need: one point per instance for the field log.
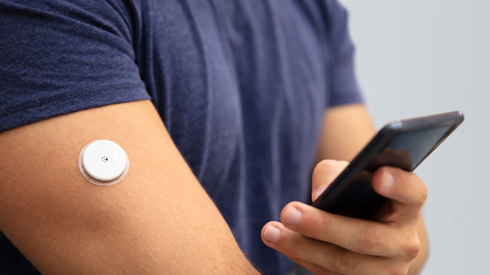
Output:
(421, 57)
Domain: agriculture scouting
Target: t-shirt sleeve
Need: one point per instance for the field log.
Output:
(344, 88)
(58, 57)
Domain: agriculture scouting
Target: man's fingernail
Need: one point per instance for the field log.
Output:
(271, 234)
(318, 191)
(388, 180)
(292, 216)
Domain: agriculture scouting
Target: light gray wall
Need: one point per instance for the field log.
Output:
(420, 57)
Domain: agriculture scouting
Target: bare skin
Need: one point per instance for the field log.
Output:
(159, 220)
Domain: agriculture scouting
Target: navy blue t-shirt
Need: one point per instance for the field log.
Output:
(241, 86)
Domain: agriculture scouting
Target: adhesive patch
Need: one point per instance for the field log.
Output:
(103, 162)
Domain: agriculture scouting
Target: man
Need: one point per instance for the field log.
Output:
(242, 93)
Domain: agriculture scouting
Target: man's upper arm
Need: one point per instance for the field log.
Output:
(157, 219)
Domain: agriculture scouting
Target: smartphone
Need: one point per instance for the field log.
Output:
(403, 144)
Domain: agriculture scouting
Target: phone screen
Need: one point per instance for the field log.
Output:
(406, 150)
(418, 143)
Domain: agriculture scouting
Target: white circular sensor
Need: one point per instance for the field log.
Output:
(104, 160)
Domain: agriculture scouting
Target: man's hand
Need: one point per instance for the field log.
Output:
(325, 243)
